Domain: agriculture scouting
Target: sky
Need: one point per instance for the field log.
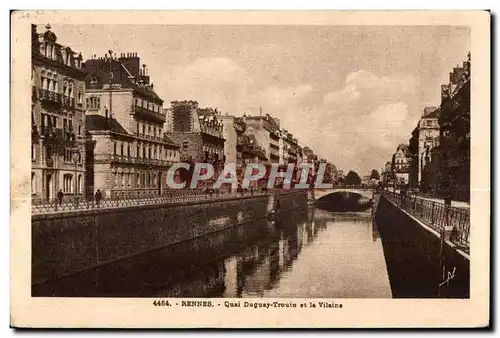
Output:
(351, 93)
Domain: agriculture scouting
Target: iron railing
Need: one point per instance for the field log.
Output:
(47, 95)
(148, 112)
(437, 215)
(69, 204)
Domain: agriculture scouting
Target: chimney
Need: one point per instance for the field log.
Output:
(445, 91)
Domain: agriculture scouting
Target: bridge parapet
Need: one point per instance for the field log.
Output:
(368, 193)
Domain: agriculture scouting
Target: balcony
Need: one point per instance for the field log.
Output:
(149, 137)
(68, 102)
(148, 113)
(49, 96)
(274, 153)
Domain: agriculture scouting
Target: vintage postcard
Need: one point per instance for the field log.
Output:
(232, 169)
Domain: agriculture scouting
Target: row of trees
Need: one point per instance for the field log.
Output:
(353, 178)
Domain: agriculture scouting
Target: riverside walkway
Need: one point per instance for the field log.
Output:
(437, 216)
(174, 198)
(456, 204)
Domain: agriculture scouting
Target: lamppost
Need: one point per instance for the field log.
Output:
(76, 158)
(446, 128)
(446, 228)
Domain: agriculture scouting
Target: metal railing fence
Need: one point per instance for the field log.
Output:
(437, 215)
(69, 204)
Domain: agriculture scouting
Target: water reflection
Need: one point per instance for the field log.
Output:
(315, 254)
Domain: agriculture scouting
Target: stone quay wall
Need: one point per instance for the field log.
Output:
(417, 268)
(67, 244)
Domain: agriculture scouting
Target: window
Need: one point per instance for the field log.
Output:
(143, 129)
(114, 148)
(137, 154)
(33, 183)
(121, 150)
(128, 150)
(137, 124)
(33, 151)
(154, 131)
(79, 128)
(93, 102)
(79, 184)
(138, 180)
(149, 152)
(185, 145)
(79, 97)
(68, 156)
(67, 183)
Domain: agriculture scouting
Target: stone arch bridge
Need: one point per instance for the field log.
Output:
(318, 193)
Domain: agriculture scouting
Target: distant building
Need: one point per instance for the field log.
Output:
(57, 118)
(128, 153)
(199, 133)
(424, 138)
(266, 130)
(400, 164)
(232, 128)
(288, 148)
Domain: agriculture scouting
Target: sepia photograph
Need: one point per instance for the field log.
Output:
(252, 162)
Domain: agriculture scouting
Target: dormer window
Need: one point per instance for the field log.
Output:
(93, 80)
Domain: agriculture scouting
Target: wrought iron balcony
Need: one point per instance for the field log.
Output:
(145, 112)
(68, 101)
(49, 96)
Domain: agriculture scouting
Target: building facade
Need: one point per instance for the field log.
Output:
(128, 153)
(400, 165)
(425, 137)
(57, 118)
(288, 148)
(266, 130)
(454, 122)
(199, 133)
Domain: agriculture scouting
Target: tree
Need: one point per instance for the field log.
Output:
(375, 175)
(352, 178)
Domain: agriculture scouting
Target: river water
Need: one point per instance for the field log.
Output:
(313, 254)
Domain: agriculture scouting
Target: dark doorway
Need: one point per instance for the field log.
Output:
(159, 183)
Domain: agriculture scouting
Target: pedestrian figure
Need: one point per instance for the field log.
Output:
(60, 196)
(98, 197)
